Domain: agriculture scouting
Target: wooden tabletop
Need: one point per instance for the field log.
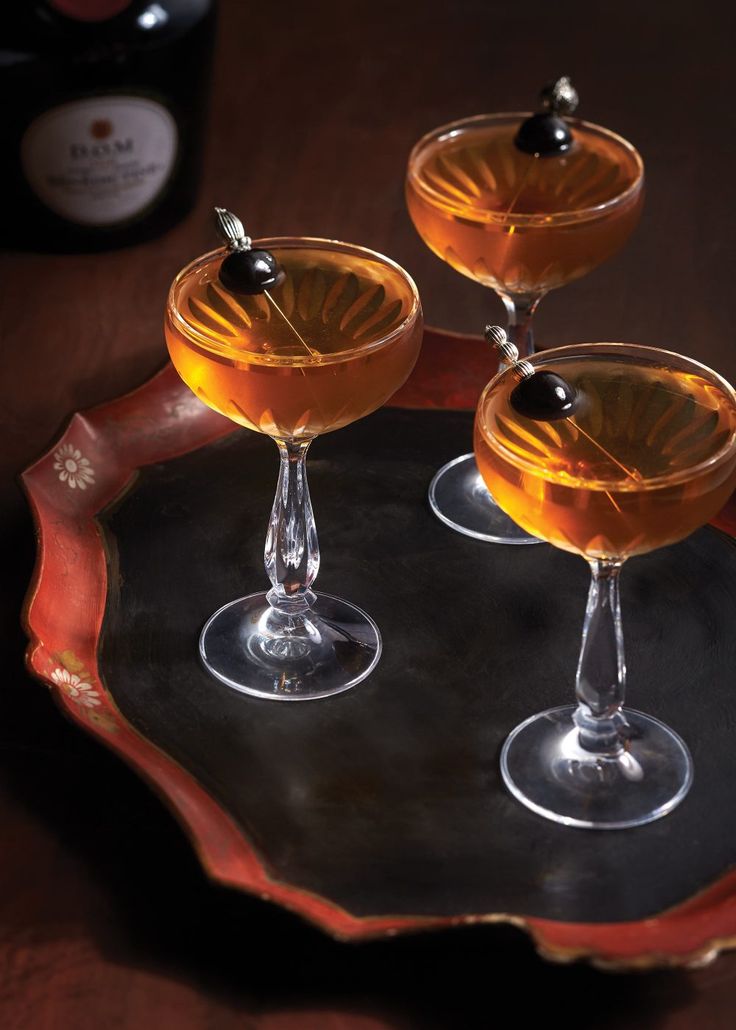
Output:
(105, 916)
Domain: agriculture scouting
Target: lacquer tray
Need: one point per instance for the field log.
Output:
(381, 810)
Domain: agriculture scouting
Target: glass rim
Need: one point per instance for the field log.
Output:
(623, 486)
(293, 242)
(522, 218)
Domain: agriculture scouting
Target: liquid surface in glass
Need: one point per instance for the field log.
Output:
(637, 466)
(520, 223)
(327, 346)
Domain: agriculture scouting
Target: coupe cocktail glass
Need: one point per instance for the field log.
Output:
(521, 224)
(648, 456)
(328, 345)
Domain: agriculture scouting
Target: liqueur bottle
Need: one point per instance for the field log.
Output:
(105, 121)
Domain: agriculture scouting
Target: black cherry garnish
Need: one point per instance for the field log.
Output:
(547, 133)
(250, 271)
(544, 396)
(244, 270)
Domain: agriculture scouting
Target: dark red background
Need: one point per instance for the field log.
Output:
(105, 916)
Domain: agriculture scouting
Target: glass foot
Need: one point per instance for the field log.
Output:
(256, 649)
(458, 496)
(545, 768)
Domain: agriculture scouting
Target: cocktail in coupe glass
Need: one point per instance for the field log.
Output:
(645, 455)
(522, 222)
(331, 336)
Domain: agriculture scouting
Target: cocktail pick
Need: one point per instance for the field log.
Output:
(542, 395)
(248, 271)
(547, 133)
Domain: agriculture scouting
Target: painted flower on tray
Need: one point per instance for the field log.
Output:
(73, 469)
(76, 688)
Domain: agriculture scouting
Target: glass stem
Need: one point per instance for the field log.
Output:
(520, 308)
(601, 677)
(292, 553)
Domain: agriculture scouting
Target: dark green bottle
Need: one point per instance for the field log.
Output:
(106, 119)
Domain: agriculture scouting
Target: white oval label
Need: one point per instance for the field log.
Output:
(100, 160)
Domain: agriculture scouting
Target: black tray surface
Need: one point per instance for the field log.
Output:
(388, 799)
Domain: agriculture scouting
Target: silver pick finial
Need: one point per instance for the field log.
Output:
(560, 97)
(508, 353)
(230, 229)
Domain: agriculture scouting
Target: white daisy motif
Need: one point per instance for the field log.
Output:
(77, 689)
(72, 467)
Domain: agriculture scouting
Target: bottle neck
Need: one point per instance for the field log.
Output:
(89, 10)
(131, 22)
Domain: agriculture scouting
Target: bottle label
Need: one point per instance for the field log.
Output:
(100, 160)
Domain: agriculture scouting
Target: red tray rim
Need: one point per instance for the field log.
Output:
(159, 421)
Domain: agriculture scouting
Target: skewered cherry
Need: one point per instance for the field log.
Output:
(250, 271)
(547, 132)
(544, 397)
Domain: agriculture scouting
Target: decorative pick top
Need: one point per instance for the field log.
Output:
(244, 270)
(547, 132)
(540, 395)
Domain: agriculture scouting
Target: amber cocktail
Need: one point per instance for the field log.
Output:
(520, 225)
(635, 468)
(324, 348)
(647, 455)
(329, 341)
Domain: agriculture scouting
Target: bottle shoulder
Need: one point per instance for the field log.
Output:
(43, 30)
